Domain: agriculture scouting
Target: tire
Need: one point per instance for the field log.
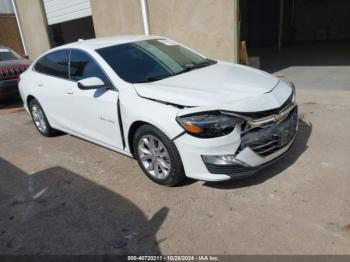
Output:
(40, 120)
(167, 165)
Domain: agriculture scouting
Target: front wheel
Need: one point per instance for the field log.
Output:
(158, 156)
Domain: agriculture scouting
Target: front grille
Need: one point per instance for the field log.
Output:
(228, 170)
(269, 139)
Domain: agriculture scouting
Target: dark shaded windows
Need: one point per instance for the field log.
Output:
(55, 64)
(40, 65)
(7, 55)
(151, 60)
(83, 66)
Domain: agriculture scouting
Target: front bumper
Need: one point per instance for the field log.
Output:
(192, 149)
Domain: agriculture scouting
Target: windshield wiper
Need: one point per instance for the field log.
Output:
(190, 67)
(150, 79)
(187, 68)
(205, 63)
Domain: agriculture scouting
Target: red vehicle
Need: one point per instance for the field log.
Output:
(11, 66)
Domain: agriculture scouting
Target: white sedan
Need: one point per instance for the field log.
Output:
(176, 111)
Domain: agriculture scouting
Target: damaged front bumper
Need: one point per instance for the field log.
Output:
(243, 152)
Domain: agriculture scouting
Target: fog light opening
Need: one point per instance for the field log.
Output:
(223, 160)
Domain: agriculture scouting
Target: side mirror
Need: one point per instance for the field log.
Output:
(91, 83)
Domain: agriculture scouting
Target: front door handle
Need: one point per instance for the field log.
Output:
(69, 91)
(39, 84)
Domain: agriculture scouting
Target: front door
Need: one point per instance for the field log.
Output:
(93, 113)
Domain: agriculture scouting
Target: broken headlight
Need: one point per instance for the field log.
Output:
(209, 124)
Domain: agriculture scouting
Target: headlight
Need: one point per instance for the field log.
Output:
(292, 97)
(209, 124)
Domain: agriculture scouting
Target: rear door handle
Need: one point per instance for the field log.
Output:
(39, 84)
(69, 91)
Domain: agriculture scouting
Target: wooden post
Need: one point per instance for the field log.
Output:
(243, 54)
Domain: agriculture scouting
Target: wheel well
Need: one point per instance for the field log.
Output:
(29, 98)
(132, 130)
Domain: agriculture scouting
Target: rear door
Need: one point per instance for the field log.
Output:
(50, 84)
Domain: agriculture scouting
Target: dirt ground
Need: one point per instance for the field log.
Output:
(63, 195)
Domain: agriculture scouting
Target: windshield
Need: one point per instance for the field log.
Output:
(7, 54)
(151, 60)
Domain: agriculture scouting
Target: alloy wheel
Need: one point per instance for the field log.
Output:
(154, 156)
(39, 119)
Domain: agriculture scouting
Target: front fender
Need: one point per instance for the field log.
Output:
(162, 116)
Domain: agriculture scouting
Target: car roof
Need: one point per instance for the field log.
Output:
(102, 42)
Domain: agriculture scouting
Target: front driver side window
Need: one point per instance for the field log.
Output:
(83, 66)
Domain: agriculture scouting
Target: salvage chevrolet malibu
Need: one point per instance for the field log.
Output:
(177, 112)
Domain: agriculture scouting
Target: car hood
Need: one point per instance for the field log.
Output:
(216, 84)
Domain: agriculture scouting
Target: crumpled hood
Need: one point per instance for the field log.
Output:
(220, 83)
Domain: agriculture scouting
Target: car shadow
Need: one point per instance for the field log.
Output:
(297, 149)
(186, 182)
(58, 212)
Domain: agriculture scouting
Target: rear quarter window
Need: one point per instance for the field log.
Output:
(54, 64)
(39, 66)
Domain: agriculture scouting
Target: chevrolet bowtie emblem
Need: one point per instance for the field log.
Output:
(279, 118)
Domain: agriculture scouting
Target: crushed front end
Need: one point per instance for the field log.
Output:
(260, 139)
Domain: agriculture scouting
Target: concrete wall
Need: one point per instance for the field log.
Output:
(208, 26)
(34, 27)
(117, 17)
(9, 35)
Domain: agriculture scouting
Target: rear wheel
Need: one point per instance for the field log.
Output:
(158, 156)
(39, 119)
